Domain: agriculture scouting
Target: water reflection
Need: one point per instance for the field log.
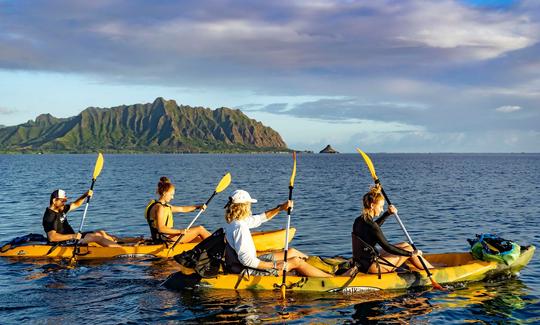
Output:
(129, 290)
(500, 302)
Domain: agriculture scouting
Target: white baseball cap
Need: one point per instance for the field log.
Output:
(241, 196)
(59, 194)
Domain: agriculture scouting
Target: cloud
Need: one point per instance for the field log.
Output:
(233, 42)
(343, 109)
(508, 109)
(439, 66)
(6, 111)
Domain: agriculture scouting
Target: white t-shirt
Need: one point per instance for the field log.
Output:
(239, 237)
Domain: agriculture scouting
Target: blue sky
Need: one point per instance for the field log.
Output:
(388, 75)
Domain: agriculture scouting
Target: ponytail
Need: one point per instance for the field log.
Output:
(373, 196)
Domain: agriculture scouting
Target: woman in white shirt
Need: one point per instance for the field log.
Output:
(237, 232)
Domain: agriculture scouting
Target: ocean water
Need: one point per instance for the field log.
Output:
(443, 199)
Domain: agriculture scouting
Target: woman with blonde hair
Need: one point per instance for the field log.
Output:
(241, 253)
(159, 215)
(367, 233)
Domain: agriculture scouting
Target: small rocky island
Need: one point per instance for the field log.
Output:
(328, 149)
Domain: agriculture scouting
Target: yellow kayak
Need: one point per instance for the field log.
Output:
(449, 268)
(264, 241)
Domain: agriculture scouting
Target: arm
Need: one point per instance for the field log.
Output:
(381, 240)
(256, 220)
(77, 203)
(281, 207)
(391, 210)
(55, 237)
(187, 208)
(383, 218)
(161, 217)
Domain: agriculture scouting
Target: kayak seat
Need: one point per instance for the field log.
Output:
(364, 255)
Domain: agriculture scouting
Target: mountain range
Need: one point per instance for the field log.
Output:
(161, 126)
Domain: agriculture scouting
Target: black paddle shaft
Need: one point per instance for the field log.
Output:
(408, 237)
(286, 251)
(290, 197)
(210, 199)
(91, 189)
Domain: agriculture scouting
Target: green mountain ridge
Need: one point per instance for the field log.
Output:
(161, 126)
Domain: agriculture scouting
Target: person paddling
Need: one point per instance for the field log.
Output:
(57, 227)
(159, 215)
(240, 250)
(367, 233)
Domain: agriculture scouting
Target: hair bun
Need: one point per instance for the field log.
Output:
(164, 179)
(375, 189)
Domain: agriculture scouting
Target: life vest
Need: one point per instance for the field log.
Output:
(158, 237)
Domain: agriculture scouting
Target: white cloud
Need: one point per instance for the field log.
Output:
(508, 109)
(6, 111)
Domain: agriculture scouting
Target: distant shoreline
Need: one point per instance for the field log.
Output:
(307, 152)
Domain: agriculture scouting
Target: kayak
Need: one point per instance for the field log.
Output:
(449, 268)
(264, 241)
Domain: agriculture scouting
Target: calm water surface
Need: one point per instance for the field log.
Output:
(443, 199)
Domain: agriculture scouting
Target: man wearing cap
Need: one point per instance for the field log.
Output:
(57, 227)
(240, 250)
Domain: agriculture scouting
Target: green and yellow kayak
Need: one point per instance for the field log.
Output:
(264, 241)
(449, 268)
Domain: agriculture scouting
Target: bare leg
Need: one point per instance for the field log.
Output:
(305, 269)
(414, 259)
(203, 233)
(398, 260)
(394, 259)
(192, 234)
(106, 235)
(280, 255)
(97, 238)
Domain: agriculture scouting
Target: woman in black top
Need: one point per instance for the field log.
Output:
(368, 232)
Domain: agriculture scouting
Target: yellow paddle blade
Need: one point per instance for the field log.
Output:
(369, 164)
(223, 183)
(293, 175)
(99, 165)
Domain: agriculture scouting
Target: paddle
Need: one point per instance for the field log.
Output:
(291, 186)
(223, 183)
(377, 181)
(97, 171)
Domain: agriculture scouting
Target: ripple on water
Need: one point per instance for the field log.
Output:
(442, 199)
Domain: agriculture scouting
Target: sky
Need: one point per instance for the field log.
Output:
(385, 75)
